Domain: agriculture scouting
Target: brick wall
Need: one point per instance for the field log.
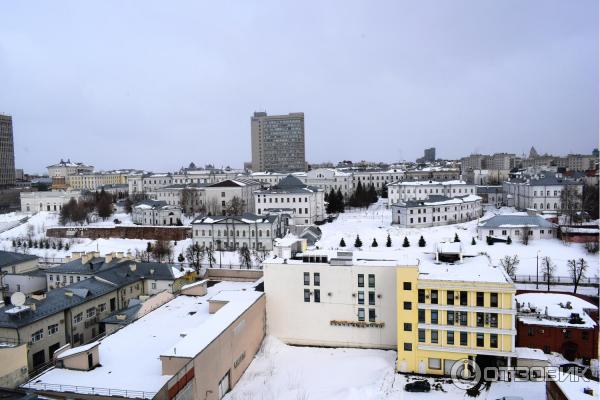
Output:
(123, 232)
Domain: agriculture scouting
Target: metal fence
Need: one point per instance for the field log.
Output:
(108, 392)
(556, 280)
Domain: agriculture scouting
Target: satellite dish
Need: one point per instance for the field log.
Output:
(17, 299)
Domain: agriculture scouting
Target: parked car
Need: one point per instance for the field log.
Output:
(418, 386)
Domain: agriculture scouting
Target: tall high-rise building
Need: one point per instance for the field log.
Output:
(428, 156)
(278, 142)
(7, 152)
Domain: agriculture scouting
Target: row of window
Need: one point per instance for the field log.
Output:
(361, 280)
(231, 233)
(434, 338)
(460, 318)
(277, 199)
(296, 210)
(459, 298)
(568, 334)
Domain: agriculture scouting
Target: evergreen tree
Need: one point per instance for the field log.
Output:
(60, 244)
(14, 243)
(489, 240)
(388, 242)
(372, 196)
(384, 191)
(54, 245)
(374, 244)
(406, 243)
(340, 201)
(421, 241)
(67, 246)
(104, 204)
(456, 238)
(181, 258)
(331, 202)
(47, 244)
(358, 242)
(508, 240)
(473, 242)
(149, 247)
(342, 243)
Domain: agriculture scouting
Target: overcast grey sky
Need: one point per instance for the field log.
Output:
(155, 85)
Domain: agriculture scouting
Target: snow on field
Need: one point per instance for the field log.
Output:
(285, 372)
(375, 222)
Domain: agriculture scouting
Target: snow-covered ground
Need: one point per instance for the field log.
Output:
(375, 222)
(285, 372)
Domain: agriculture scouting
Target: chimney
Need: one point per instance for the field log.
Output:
(32, 306)
(108, 258)
(132, 267)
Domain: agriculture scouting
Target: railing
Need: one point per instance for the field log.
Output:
(556, 280)
(11, 341)
(109, 392)
(51, 260)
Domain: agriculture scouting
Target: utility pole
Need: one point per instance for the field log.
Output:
(537, 266)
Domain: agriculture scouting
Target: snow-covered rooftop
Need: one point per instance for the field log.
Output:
(553, 309)
(428, 183)
(531, 354)
(130, 357)
(476, 269)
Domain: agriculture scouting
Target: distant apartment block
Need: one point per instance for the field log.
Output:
(278, 142)
(7, 152)
(428, 155)
(60, 171)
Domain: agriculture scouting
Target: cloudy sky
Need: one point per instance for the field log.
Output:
(155, 85)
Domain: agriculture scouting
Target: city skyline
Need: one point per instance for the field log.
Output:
(377, 84)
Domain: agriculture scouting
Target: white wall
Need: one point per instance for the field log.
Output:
(294, 321)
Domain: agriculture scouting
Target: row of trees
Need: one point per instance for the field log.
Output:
(39, 244)
(388, 243)
(577, 269)
(363, 196)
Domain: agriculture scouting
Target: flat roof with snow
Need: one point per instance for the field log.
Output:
(475, 269)
(554, 309)
(130, 357)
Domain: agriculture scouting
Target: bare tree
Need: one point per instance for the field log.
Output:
(161, 250)
(245, 257)
(510, 265)
(577, 270)
(259, 257)
(525, 235)
(213, 207)
(210, 255)
(194, 253)
(570, 202)
(548, 269)
(235, 206)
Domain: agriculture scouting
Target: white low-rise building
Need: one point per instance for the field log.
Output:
(540, 191)
(436, 210)
(420, 190)
(307, 202)
(256, 232)
(219, 196)
(152, 212)
(515, 226)
(330, 178)
(47, 201)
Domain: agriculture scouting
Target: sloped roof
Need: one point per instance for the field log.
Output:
(509, 220)
(10, 258)
(290, 181)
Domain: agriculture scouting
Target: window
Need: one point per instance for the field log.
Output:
(434, 297)
(494, 341)
(306, 295)
(480, 341)
(361, 297)
(37, 335)
(361, 280)
(306, 278)
(464, 339)
(361, 314)
(421, 335)
(450, 318)
(407, 346)
(493, 299)
(493, 320)
(371, 280)
(434, 336)
(450, 297)
(70, 278)
(434, 316)
(153, 285)
(530, 331)
(407, 305)
(90, 312)
(479, 319)
(78, 318)
(421, 316)
(317, 279)
(52, 329)
(407, 327)
(371, 298)
(407, 285)
(371, 314)
(450, 337)
(435, 363)
(102, 307)
(463, 298)
(462, 317)
(479, 299)
(421, 296)
(317, 293)
(567, 334)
